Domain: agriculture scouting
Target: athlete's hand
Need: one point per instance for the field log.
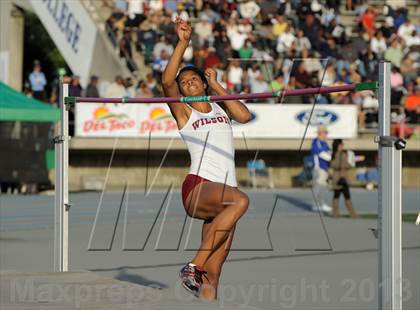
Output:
(183, 29)
(211, 76)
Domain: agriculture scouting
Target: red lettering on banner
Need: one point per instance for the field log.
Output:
(92, 125)
(170, 125)
(118, 125)
(146, 126)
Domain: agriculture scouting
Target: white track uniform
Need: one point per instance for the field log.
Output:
(209, 140)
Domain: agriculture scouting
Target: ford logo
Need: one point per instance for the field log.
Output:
(319, 117)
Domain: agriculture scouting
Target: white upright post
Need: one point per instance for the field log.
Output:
(62, 205)
(389, 211)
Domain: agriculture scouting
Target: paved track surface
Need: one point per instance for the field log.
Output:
(283, 257)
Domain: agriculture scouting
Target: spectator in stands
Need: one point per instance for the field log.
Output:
(126, 51)
(143, 91)
(286, 41)
(116, 89)
(92, 88)
(302, 42)
(75, 89)
(235, 75)
(146, 40)
(38, 82)
(368, 21)
(204, 30)
(279, 25)
(160, 63)
(249, 9)
(246, 51)
(130, 90)
(394, 53)
(411, 103)
(378, 44)
(321, 154)
(258, 85)
(163, 44)
(135, 13)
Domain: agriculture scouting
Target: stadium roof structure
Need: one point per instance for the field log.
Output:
(15, 106)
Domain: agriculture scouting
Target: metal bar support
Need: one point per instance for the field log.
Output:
(62, 206)
(389, 209)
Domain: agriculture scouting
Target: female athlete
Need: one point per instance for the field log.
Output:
(209, 191)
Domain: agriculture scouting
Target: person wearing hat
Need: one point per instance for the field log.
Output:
(321, 154)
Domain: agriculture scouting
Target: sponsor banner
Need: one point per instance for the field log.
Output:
(72, 31)
(124, 120)
(287, 121)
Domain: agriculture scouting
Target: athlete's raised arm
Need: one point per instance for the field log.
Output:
(235, 109)
(169, 84)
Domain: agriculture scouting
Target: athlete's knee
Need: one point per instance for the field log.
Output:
(242, 202)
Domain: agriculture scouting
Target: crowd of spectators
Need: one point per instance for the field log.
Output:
(265, 45)
(262, 45)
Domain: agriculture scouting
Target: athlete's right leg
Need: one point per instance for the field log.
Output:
(222, 204)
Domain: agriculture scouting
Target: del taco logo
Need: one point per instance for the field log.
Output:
(103, 119)
(158, 120)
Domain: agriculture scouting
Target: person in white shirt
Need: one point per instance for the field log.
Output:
(235, 74)
(406, 29)
(116, 89)
(286, 40)
(378, 44)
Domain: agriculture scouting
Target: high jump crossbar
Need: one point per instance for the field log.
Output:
(264, 95)
(389, 190)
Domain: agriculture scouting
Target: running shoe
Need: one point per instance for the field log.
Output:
(192, 278)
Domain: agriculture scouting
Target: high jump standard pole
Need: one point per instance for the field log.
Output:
(389, 201)
(62, 206)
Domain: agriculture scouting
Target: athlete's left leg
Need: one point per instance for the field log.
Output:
(214, 263)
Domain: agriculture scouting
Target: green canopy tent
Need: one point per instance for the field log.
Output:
(15, 106)
(26, 157)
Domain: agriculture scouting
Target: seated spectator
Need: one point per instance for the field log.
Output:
(279, 25)
(405, 30)
(146, 40)
(161, 45)
(160, 63)
(143, 91)
(411, 103)
(249, 9)
(253, 72)
(130, 90)
(235, 75)
(204, 30)
(286, 41)
(92, 88)
(302, 42)
(246, 51)
(116, 89)
(259, 85)
(368, 21)
(135, 13)
(394, 53)
(328, 77)
(278, 83)
(413, 40)
(378, 44)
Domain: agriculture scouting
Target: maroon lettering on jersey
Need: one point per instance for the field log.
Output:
(214, 120)
(207, 120)
(226, 119)
(196, 124)
(220, 119)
